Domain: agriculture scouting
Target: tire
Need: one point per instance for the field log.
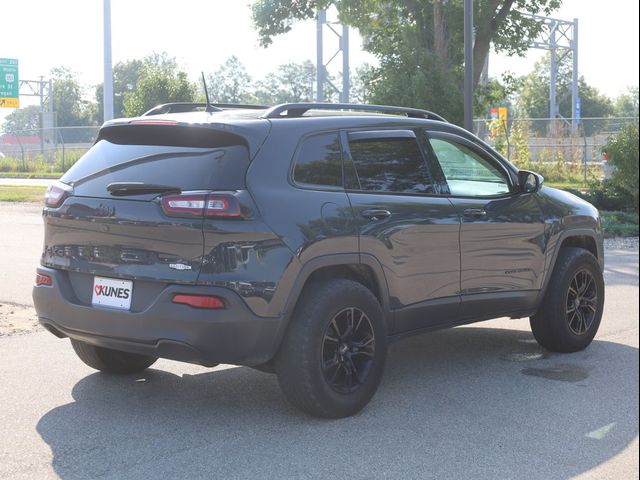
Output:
(566, 322)
(111, 361)
(312, 341)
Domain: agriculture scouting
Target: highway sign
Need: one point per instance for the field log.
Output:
(9, 83)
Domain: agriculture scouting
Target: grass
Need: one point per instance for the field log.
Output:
(21, 193)
(54, 175)
(619, 224)
(564, 185)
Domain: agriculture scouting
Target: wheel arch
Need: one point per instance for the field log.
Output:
(363, 269)
(584, 238)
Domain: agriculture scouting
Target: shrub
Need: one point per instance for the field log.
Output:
(623, 154)
(606, 195)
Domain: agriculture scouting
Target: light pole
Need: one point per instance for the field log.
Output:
(468, 65)
(107, 93)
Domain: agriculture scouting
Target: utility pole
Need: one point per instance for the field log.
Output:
(346, 81)
(553, 71)
(575, 94)
(107, 92)
(468, 65)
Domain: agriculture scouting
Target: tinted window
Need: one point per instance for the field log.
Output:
(319, 161)
(182, 167)
(390, 165)
(467, 173)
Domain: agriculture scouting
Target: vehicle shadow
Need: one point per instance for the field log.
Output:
(462, 403)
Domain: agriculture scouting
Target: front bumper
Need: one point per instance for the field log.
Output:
(162, 329)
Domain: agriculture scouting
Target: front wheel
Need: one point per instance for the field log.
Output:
(111, 361)
(570, 313)
(332, 357)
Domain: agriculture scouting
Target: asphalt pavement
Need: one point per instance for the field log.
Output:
(482, 401)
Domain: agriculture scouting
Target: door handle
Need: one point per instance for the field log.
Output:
(474, 212)
(375, 215)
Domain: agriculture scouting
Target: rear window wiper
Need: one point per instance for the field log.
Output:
(139, 188)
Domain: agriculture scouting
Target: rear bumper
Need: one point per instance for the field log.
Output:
(163, 329)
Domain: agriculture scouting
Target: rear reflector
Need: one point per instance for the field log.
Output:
(221, 205)
(42, 279)
(200, 301)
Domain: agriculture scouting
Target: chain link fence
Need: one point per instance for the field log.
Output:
(537, 143)
(45, 150)
(542, 143)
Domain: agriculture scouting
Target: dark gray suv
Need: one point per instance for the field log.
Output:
(301, 239)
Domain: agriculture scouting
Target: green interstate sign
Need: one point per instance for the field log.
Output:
(9, 83)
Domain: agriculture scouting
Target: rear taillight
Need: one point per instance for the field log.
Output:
(220, 205)
(42, 279)
(200, 301)
(56, 194)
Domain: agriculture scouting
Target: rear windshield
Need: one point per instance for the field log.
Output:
(187, 168)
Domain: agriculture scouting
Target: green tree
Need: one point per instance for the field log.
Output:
(230, 83)
(626, 105)
(125, 81)
(418, 43)
(160, 81)
(291, 82)
(24, 120)
(70, 106)
(361, 84)
(533, 95)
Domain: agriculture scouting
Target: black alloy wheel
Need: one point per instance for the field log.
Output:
(348, 349)
(582, 302)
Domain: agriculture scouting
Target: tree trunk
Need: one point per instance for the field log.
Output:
(440, 37)
(486, 26)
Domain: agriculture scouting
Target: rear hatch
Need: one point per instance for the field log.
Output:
(111, 215)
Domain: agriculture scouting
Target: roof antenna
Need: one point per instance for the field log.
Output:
(210, 108)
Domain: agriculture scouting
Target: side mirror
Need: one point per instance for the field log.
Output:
(530, 182)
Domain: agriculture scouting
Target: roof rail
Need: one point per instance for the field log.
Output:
(182, 107)
(299, 109)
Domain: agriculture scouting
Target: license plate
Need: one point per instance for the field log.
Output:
(111, 292)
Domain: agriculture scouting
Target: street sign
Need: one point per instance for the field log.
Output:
(9, 83)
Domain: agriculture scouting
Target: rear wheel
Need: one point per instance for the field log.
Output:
(332, 357)
(571, 310)
(111, 361)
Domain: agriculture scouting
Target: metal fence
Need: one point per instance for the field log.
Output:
(538, 140)
(546, 140)
(44, 149)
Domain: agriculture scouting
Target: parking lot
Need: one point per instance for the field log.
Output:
(482, 401)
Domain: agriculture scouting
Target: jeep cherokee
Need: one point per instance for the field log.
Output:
(301, 239)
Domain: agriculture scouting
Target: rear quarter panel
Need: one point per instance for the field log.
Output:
(312, 223)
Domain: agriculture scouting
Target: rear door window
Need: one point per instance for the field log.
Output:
(389, 162)
(319, 161)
